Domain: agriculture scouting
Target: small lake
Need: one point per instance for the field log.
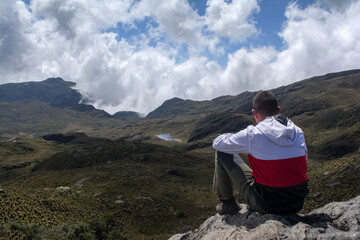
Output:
(167, 137)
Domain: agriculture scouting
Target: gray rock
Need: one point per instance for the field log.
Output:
(63, 189)
(333, 184)
(17, 138)
(344, 168)
(79, 183)
(318, 196)
(119, 201)
(145, 198)
(337, 220)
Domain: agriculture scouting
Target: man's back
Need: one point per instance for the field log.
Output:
(277, 156)
(277, 153)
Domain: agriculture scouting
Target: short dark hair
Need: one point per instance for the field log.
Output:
(265, 103)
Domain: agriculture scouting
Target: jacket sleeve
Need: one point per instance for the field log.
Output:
(233, 143)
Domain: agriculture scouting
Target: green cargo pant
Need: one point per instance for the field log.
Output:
(231, 170)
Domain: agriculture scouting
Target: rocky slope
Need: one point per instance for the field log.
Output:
(337, 220)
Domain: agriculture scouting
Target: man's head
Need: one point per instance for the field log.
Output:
(264, 104)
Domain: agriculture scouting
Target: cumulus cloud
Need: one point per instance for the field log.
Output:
(72, 18)
(319, 41)
(316, 41)
(336, 4)
(250, 69)
(15, 47)
(93, 44)
(175, 18)
(232, 19)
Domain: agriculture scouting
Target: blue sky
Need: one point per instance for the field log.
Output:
(134, 55)
(268, 20)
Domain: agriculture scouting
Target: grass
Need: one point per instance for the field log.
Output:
(344, 172)
(151, 191)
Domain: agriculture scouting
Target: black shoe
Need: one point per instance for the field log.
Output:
(227, 207)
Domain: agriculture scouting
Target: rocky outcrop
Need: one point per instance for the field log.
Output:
(337, 220)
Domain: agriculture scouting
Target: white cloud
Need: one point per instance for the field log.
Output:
(232, 20)
(176, 18)
(15, 47)
(319, 41)
(72, 18)
(131, 82)
(336, 4)
(249, 69)
(68, 39)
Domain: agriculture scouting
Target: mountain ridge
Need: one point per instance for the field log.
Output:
(241, 102)
(53, 90)
(58, 92)
(62, 92)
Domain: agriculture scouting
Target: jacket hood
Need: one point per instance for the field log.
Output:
(279, 130)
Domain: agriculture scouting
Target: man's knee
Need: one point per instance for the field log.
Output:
(227, 160)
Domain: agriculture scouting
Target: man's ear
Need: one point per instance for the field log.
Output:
(278, 110)
(255, 113)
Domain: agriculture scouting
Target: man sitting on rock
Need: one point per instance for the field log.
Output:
(276, 181)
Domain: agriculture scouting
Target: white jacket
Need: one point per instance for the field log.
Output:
(277, 152)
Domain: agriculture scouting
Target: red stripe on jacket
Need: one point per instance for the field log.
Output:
(279, 173)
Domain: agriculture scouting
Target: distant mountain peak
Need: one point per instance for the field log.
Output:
(166, 107)
(57, 79)
(126, 115)
(175, 99)
(53, 90)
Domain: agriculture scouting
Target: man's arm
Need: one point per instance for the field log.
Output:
(232, 143)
